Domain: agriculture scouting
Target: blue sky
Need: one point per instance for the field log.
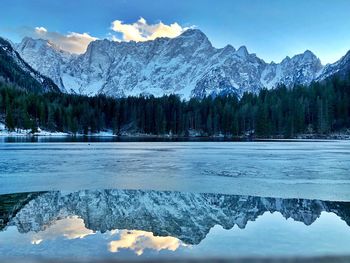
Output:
(271, 28)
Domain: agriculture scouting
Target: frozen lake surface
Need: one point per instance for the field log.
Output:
(130, 200)
(313, 170)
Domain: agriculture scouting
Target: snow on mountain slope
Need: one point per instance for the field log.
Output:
(340, 68)
(186, 216)
(14, 70)
(300, 69)
(187, 65)
(49, 61)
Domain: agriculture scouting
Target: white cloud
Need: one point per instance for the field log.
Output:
(40, 30)
(138, 241)
(78, 42)
(142, 31)
(69, 228)
(72, 42)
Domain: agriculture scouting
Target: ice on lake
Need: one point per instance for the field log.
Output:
(313, 170)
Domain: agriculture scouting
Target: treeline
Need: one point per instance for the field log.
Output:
(318, 109)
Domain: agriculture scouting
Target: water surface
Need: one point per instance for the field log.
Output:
(103, 199)
(146, 224)
(313, 170)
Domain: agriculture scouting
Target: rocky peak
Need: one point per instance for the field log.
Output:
(304, 59)
(308, 55)
(340, 68)
(39, 45)
(187, 65)
(192, 38)
(228, 49)
(242, 52)
(193, 34)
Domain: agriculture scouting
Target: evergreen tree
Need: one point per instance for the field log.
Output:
(320, 108)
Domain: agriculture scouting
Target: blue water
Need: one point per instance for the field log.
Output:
(313, 170)
(143, 224)
(174, 198)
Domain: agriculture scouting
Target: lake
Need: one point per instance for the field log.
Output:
(100, 198)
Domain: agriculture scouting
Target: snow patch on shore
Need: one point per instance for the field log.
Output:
(23, 132)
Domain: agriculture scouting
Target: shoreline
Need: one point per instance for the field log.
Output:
(192, 135)
(345, 135)
(176, 137)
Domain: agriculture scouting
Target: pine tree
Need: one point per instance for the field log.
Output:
(9, 121)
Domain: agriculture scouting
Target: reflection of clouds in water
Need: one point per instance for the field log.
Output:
(269, 234)
(70, 228)
(138, 241)
(177, 224)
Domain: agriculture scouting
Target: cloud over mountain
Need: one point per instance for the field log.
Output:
(72, 42)
(141, 30)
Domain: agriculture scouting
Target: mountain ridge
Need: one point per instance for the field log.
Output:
(15, 71)
(187, 65)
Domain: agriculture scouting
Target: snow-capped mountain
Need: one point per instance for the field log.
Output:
(49, 61)
(300, 69)
(14, 70)
(187, 65)
(340, 68)
(186, 216)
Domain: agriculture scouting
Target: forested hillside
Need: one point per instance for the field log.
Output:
(321, 108)
(15, 71)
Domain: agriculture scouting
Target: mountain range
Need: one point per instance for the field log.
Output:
(187, 65)
(186, 216)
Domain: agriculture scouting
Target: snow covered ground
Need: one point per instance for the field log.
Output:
(21, 132)
(40, 132)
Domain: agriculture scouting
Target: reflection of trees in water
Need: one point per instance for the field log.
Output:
(10, 204)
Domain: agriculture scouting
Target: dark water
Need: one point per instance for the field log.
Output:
(91, 139)
(68, 139)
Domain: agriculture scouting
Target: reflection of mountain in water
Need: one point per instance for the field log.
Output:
(12, 203)
(186, 216)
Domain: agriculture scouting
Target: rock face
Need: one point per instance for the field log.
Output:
(14, 70)
(49, 61)
(186, 216)
(340, 68)
(187, 65)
